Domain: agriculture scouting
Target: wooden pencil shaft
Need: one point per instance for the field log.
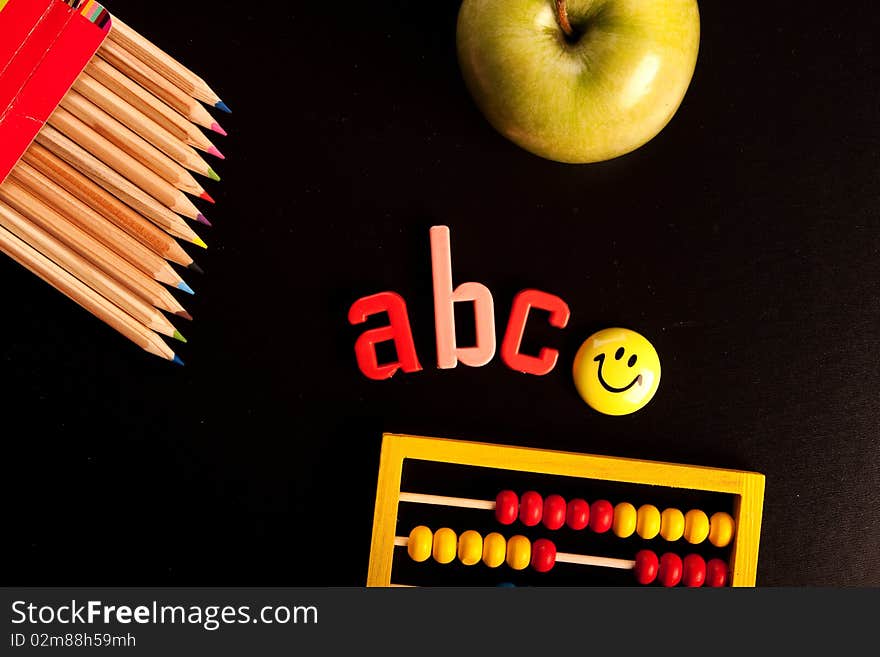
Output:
(86, 246)
(82, 295)
(121, 162)
(94, 224)
(174, 147)
(130, 142)
(150, 105)
(106, 204)
(84, 270)
(155, 84)
(118, 185)
(161, 61)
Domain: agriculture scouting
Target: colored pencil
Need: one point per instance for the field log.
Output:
(160, 61)
(128, 141)
(89, 248)
(135, 69)
(152, 107)
(116, 184)
(124, 112)
(85, 296)
(124, 164)
(85, 271)
(97, 226)
(107, 205)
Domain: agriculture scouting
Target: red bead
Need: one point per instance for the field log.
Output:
(670, 569)
(646, 566)
(531, 508)
(601, 516)
(543, 555)
(577, 514)
(716, 573)
(554, 512)
(506, 507)
(693, 570)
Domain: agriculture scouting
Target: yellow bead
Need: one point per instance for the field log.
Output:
(625, 517)
(445, 543)
(721, 527)
(696, 526)
(671, 524)
(470, 547)
(519, 552)
(419, 545)
(494, 549)
(648, 523)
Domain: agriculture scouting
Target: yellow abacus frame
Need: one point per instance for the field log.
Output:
(747, 487)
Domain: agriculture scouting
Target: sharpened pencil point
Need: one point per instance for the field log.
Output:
(194, 267)
(186, 288)
(223, 107)
(178, 336)
(205, 196)
(185, 315)
(177, 360)
(202, 219)
(213, 174)
(216, 152)
(198, 241)
(216, 128)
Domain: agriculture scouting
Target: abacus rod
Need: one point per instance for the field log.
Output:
(442, 500)
(564, 557)
(589, 560)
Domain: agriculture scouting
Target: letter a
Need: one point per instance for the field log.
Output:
(398, 330)
(448, 354)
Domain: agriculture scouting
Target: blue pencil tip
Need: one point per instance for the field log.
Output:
(222, 106)
(177, 360)
(186, 288)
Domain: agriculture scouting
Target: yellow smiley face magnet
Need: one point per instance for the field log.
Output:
(616, 371)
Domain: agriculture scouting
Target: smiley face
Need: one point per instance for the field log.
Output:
(616, 371)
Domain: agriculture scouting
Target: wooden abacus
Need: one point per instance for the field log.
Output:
(732, 537)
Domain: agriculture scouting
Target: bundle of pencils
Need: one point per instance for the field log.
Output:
(95, 202)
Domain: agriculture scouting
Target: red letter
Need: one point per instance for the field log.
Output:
(398, 330)
(444, 315)
(519, 315)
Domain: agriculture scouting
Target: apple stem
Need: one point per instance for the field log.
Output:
(562, 18)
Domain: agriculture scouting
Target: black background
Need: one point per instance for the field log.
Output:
(742, 241)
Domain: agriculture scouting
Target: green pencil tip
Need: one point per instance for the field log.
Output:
(199, 242)
(178, 336)
(213, 174)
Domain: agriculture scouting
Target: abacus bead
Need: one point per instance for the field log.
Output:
(720, 529)
(696, 526)
(577, 514)
(419, 545)
(543, 555)
(445, 543)
(646, 567)
(519, 552)
(669, 572)
(671, 524)
(554, 512)
(693, 570)
(624, 520)
(648, 524)
(601, 516)
(506, 507)
(470, 547)
(531, 508)
(494, 549)
(716, 573)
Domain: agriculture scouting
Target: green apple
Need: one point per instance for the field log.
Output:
(603, 90)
